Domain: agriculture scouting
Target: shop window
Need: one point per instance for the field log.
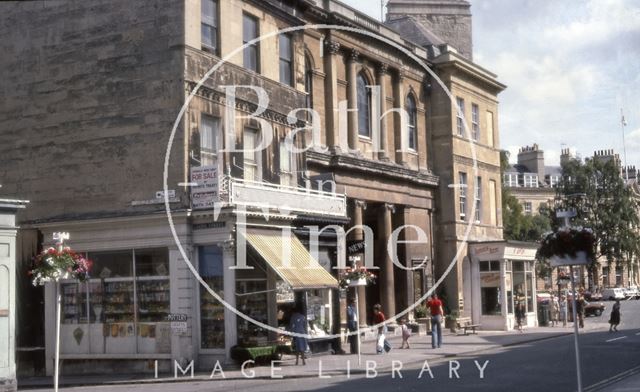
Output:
(490, 287)
(491, 301)
(522, 285)
(211, 311)
(252, 300)
(100, 315)
(508, 285)
(319, 312)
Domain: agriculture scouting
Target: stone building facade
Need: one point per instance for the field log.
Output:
(93, 92)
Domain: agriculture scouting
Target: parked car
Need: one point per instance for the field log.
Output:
(632, 292)
(613, 293)
(594, 308)
(589, 296)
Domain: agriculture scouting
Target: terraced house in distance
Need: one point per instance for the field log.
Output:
(88, 122)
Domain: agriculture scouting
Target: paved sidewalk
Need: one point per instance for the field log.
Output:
(333, 365)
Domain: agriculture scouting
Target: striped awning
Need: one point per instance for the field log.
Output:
(296, 266)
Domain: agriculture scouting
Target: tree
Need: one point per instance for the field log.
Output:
(518, 226)
(602, 201)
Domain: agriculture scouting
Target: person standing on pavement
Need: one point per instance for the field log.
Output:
(437, 314)
(520, 315)
(563, 310)
(406, 333)
(555, 311)
(379, 318)
(614, 320)
(352, 325)
(580, 305)
(298, 324)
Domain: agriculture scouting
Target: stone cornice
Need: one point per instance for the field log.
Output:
(372, 167)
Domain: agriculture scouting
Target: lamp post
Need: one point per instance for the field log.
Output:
(59, 238)
(566, 215)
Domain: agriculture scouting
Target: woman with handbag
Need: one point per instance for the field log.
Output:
(379, 318)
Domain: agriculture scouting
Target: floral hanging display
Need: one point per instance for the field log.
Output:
(356, 276)
(567, 242)
(53, 264)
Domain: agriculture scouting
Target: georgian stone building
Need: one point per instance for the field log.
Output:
(93, 92)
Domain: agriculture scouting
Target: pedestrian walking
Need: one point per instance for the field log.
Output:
(520, 315)
(580, 306)
(298, 324)
(352, 325)
(614, 320)
(555, 311)
(437, 314)
(379, 318)
(563, 310)
(406, 333)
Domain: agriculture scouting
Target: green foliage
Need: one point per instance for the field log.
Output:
(517, 225)
(420, 312)
(596, 191)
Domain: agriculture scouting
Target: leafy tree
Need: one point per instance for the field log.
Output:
(596, 191)
(517, 225)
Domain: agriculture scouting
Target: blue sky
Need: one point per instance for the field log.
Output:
(570, 66)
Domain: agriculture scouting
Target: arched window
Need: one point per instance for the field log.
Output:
(308, 82)
(364, 106)
(412, 128)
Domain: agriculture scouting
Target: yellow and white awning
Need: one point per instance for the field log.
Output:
(296, 266)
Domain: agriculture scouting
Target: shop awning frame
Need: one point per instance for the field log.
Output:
(303, 272)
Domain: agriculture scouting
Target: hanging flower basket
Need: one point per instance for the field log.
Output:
(53, 264)
(356, 277)
(568, 246)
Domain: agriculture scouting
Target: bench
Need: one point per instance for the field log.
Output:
(464, 323)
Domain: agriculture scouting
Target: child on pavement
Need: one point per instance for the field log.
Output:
(406, 333)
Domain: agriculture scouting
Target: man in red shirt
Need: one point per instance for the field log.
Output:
(437, 314)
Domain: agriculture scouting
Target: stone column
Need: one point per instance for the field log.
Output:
(352, 96)
(383, 71)
(398, 99)
(387, 281)
(358, 208)
(331, 49)
(8, 232)
(229, 295)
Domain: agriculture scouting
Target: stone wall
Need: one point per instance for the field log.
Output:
(90, 92)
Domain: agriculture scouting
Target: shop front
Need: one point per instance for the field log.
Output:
(502, 277)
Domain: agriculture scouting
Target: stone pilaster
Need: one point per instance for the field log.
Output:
(398, 99)
(382, 75)
(229, 290)
(352, 96)
(358, 211)
(331, 50)
(387, 281)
